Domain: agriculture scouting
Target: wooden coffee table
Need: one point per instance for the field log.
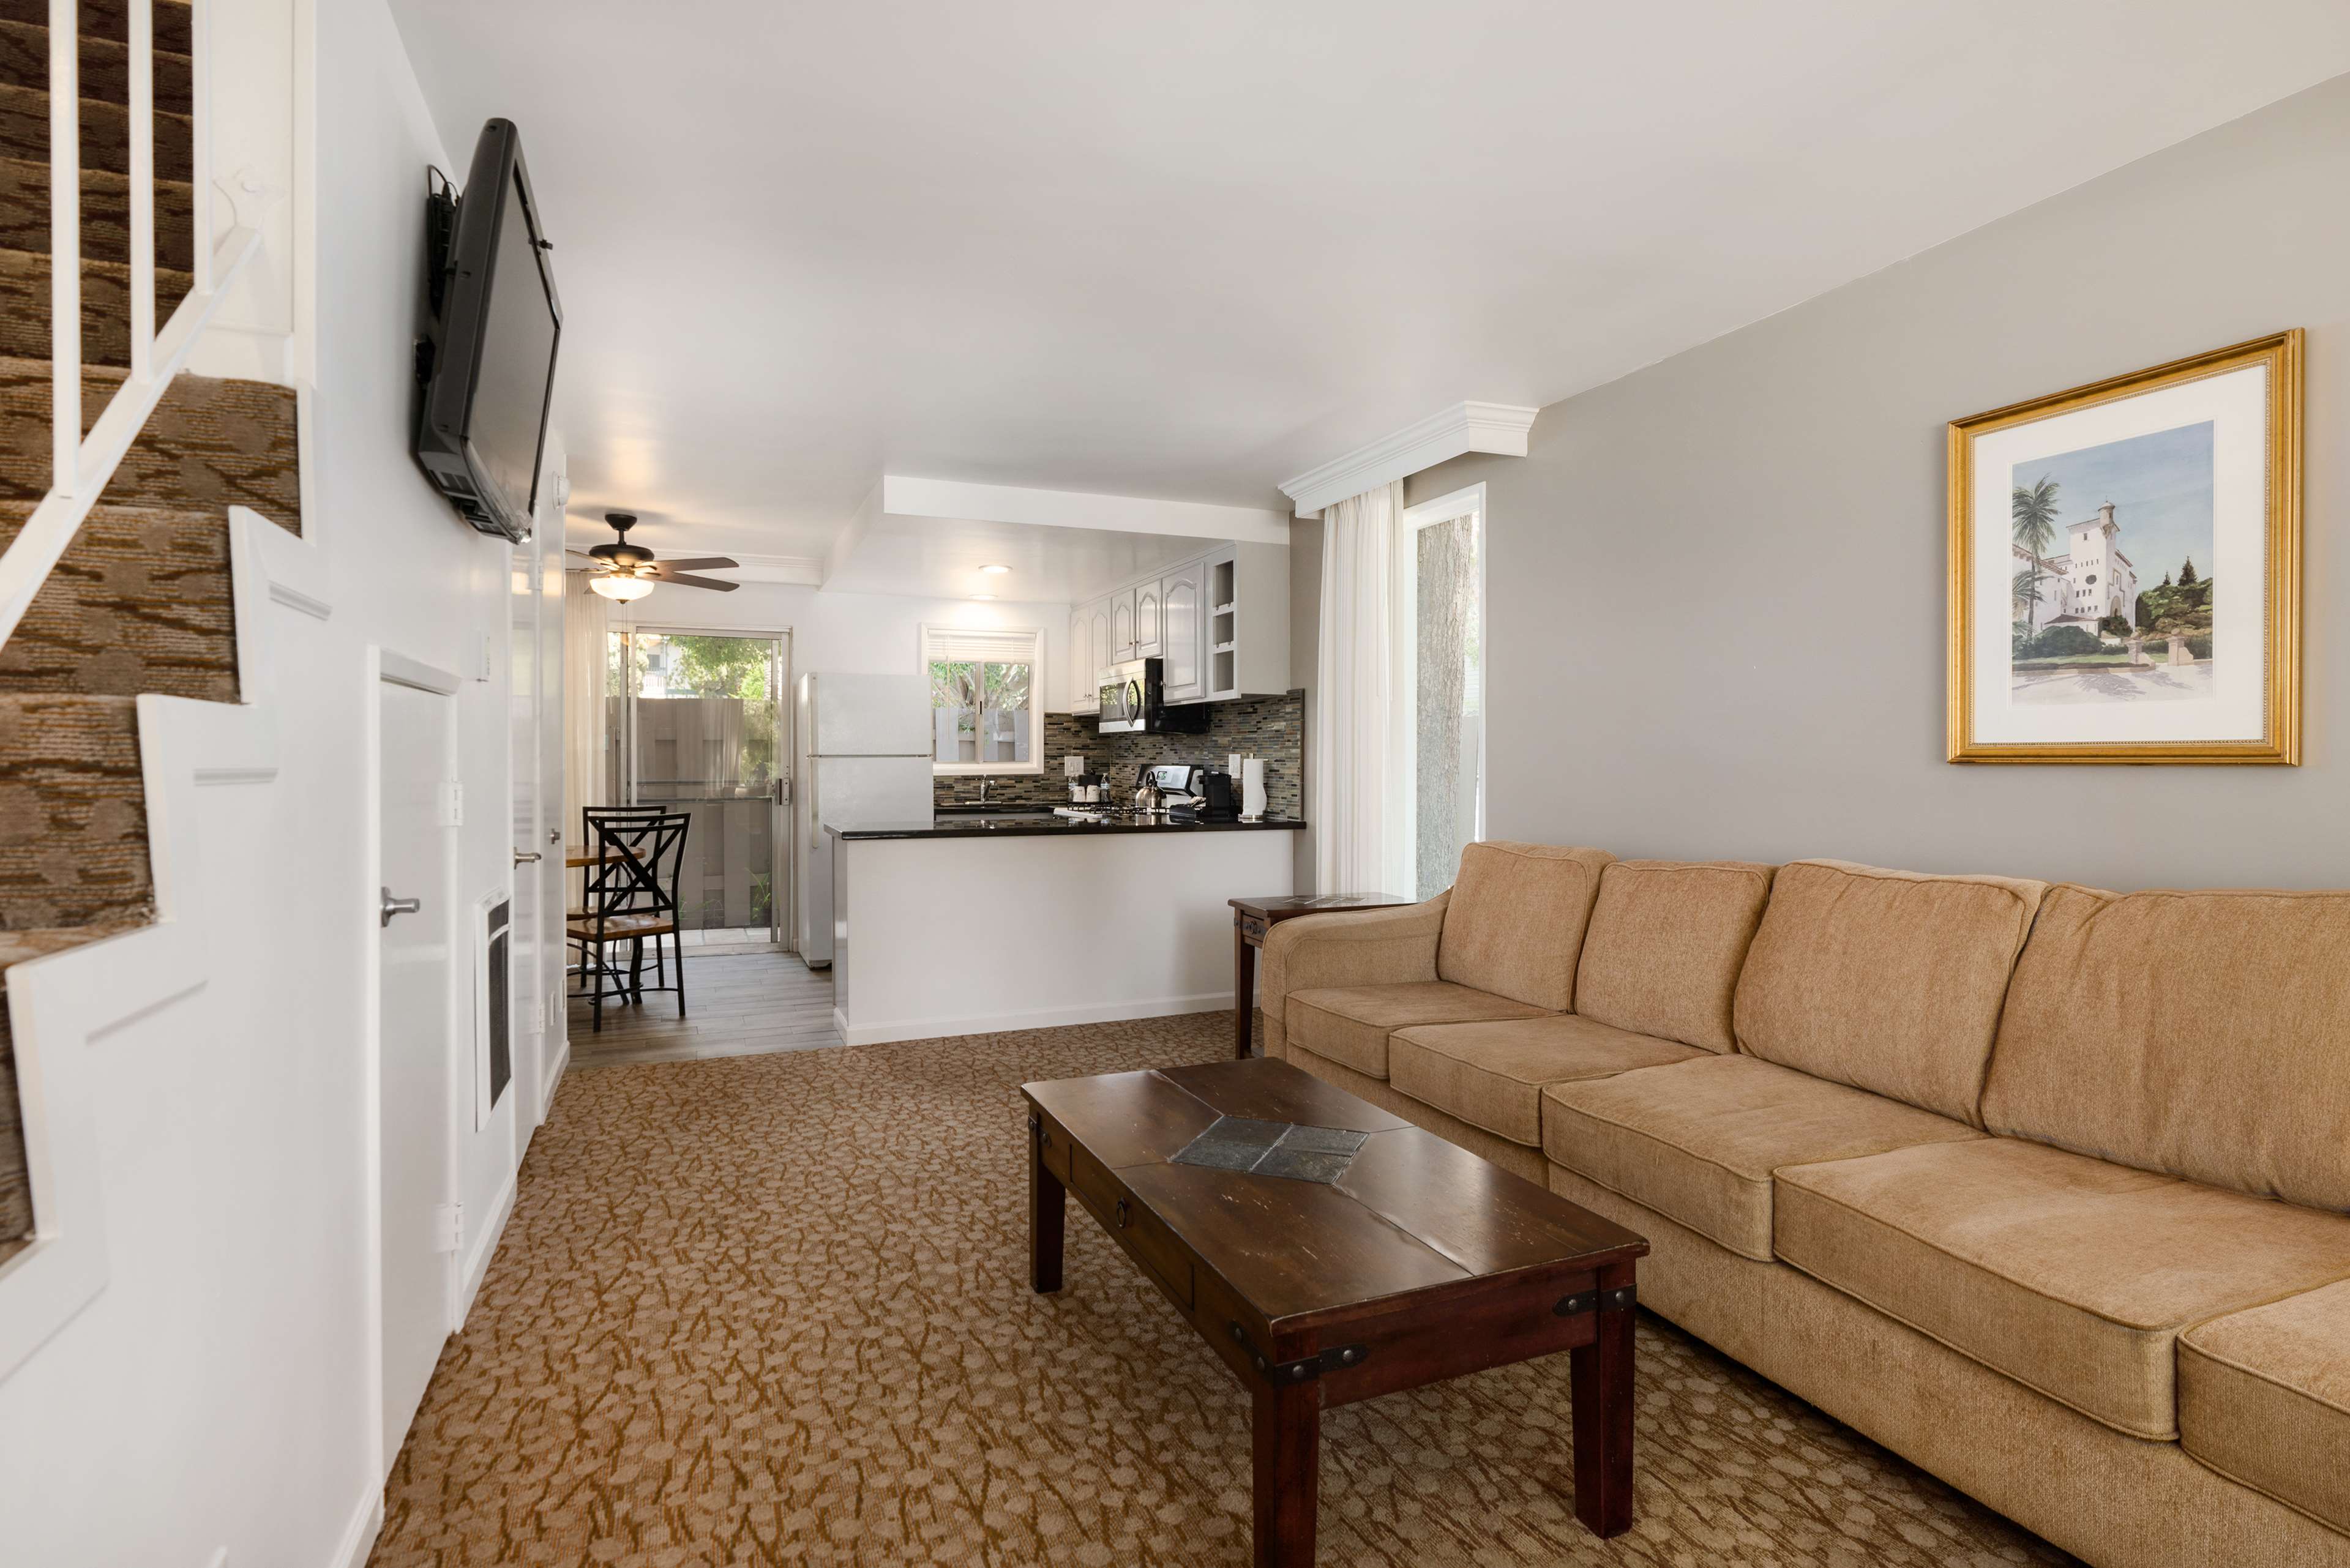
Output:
(1384, 1259)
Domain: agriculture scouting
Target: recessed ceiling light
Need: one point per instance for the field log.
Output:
(982, 596)
(995, 571)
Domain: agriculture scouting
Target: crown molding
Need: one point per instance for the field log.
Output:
(1497, 428)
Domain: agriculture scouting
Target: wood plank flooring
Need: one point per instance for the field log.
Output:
(736, 1005)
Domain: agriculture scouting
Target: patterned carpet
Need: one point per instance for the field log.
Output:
(773, 1309)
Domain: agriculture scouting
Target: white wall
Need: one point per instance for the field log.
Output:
(218, 1393)
(861, 634)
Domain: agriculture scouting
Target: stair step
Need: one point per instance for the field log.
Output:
(15, 1178)
(211, 444)
(103, 73)
(105, 306)
(105, 134)
(105, 215)
(139, 602)
(174, 20)
(73, 813)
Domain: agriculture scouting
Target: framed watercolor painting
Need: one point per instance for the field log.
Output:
(2125, 567)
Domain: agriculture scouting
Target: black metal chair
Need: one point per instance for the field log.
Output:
(633, 899)
(588, 840)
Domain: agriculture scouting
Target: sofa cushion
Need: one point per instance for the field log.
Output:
(2072, 1275)
(1514, 926)
(1350, 1024)
(1492, 1075)
(1887, 981)
(2204, 1034)
(1667, 937)
(1698, 1141)
(2264, 1399)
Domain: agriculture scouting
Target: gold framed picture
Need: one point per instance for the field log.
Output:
(2125, 567)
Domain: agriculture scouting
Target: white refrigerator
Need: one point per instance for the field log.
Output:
(864, 744)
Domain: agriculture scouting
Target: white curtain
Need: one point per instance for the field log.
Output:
(1361, 840)
(587, 619)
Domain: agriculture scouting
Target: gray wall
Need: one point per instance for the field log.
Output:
(1304, 655)
(1664, 677)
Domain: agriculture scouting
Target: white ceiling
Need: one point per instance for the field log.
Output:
(1189, 250)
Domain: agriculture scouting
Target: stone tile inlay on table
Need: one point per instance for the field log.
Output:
(1273, 1148)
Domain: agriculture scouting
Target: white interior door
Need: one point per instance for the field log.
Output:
(417, 1066)
(529, 931)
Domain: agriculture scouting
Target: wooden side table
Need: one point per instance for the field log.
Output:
(1253, 918)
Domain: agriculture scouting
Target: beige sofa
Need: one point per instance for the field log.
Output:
(2044, 1187)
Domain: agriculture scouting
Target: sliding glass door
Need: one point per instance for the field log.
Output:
(696, 720)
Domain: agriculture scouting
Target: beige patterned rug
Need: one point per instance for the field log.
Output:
(774, 1310)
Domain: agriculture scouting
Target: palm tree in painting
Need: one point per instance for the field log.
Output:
(2033, 512)
(2023, 597)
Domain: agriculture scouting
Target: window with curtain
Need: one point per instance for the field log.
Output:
(986, 699)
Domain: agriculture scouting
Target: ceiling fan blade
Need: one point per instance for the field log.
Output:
(583, 558)
(699, 563)
(683, 581)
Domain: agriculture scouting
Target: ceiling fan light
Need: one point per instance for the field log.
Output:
(614, 587)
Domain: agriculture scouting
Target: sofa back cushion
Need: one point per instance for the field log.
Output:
(1665, 941)
(1887, 981)
(1514, 926)
(2199, 1035)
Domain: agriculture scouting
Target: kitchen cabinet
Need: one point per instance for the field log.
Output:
(1085, 697)
(1121, 627)
(1099, 640)
(1180, 596)
(1149, 632)
(1245, 644)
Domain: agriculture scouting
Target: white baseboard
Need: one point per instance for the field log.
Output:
(554, 1080)
(1049, 1018)
(484, 1248)
(359, 1535)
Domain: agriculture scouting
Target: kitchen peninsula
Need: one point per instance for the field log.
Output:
(966, 924)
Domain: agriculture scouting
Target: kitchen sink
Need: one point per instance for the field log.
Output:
(964, 813)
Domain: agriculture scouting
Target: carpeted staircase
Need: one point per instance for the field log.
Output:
(141, 602)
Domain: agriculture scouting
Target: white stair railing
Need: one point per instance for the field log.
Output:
(80, 465)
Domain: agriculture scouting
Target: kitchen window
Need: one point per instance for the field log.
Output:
(987, 691)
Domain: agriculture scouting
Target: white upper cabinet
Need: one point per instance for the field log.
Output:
(1148, 634)
(1121, 627)
(1100, 640)
(1084, 696)
(1180, 626)
(1245, 640)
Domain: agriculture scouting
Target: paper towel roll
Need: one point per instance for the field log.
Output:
(1252, 789)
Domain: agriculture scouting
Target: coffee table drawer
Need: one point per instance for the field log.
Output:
(1137, 1230)
(1052, 1145)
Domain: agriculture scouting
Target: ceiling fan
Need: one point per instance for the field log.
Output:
(625, 571)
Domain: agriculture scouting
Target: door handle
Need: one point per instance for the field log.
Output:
(393, 906)
(525, 857)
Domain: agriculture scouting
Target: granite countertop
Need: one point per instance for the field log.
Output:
(1043, 826)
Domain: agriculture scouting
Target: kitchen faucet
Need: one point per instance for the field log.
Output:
(982, 789)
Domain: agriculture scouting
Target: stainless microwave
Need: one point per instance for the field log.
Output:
(1133, 702)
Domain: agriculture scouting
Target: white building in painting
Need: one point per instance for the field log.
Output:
(2091, 581)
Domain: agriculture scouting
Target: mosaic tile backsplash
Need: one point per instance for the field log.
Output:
(1273, 728)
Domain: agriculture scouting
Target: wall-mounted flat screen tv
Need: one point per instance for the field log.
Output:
(493, 323)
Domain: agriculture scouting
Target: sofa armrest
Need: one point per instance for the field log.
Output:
(1369, 947)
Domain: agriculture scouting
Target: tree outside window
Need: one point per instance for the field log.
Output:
(984, 690)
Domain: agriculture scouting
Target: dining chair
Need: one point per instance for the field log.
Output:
(631, 899)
